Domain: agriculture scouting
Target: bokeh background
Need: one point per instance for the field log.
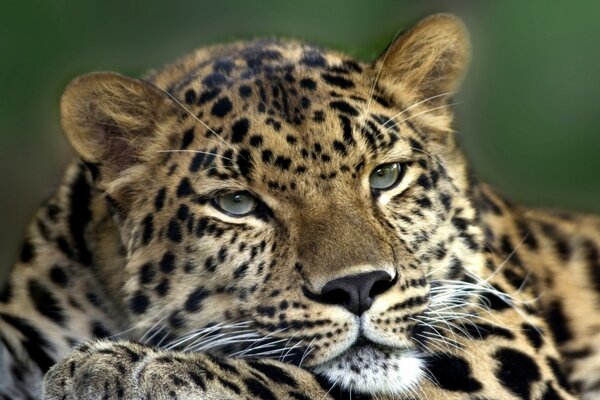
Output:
(529, 117)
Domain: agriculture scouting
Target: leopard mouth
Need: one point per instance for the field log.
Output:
(372, 368)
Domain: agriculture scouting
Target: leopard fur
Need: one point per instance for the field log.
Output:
(133, 281)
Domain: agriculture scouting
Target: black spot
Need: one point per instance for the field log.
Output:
(256, 141)
(517, 371)
(79, 216)
(460, 223)
(550, 393)
(423, 202)
(210, 264)
(208, 95)
(533, 334)
(6, 292)
(347, 130)
(147, 273)
(159, 200)
(27, 252)
(300, 396)
(593, 260)
(190, 96)
(148, 229)
(230, 385)
(222, 107)
(33, 342)
(244, 162)
(283, 163)
(529, 238)
(188, 138)
(46, 303)
(58, 276)
(558, 323)
(415, 144)
(214, 79)
(139, 303)
(516, 278)
(223, 65)
(245, 91)
(313, 58)
(240, 271)
(197, 380)
(483, 331)
(384, 102)
(274, 373)
(257, 57)
(339, 81)
(339, 147)
(162, 288)
(344, 107)
(195, 299)
(222, 254)
(560, 242)
(197, 161)
(308, 83)
(319, 116)
(446, 200)
(452, 373)
(167, 263)
(267, 156)
(201, 227)
(99, 331)
(455, 268)
(184, 189)
(183, 212)
(174, 231)
(494, 301)
(424, 182)
(291, 139)
(258, 390)
(239, 130)
(558, 373)
(176, 320)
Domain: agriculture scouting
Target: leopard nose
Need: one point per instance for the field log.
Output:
(356, 292)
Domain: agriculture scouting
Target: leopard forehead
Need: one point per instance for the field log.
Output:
(282, 114)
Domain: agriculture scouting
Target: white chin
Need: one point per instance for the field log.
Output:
(369, 370)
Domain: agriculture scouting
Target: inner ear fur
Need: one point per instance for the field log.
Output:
(109, 119)
(430, 58)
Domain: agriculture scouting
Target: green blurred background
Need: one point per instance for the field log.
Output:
(528, 119)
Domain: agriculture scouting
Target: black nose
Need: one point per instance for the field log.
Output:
(355, 292)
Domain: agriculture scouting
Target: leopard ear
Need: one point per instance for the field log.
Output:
(110, 119)
(429, 59)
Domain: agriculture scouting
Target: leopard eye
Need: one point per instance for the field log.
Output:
(237, 204)
(385, 176)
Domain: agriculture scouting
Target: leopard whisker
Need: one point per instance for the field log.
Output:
(424, 112)
(307, 352)
(244, 352)
(379, 71)
(143, 338)
(201, 333)
(416, 105)
(221, 340)
(196, 152)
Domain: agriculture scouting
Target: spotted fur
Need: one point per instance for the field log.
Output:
(162, 295)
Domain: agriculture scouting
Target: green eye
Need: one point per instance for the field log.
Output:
(385, 176)
(237, 204)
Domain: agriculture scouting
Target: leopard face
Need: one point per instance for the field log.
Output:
(281, 200)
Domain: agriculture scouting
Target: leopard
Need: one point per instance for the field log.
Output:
(268, 219)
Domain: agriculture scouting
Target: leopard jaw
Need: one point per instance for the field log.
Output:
(370, 370)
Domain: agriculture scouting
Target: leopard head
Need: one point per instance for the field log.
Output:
(276, 199)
